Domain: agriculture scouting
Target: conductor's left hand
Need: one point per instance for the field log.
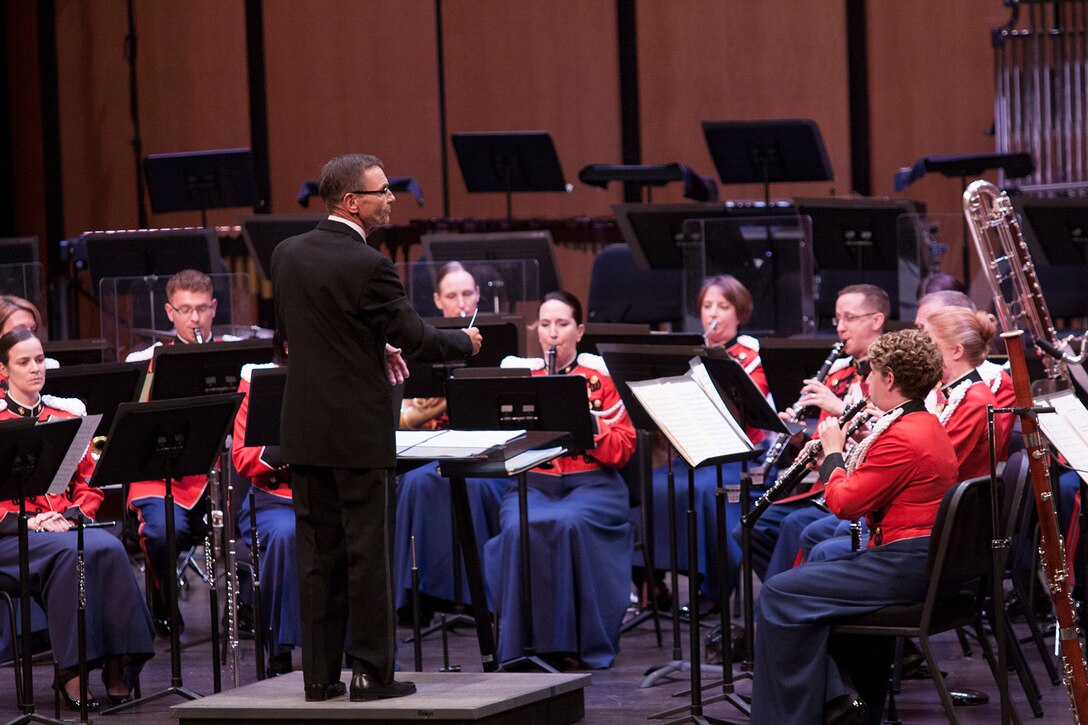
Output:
(395, 367)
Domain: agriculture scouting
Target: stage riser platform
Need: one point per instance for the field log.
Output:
(448, 698)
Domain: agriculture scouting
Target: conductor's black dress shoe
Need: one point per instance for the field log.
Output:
(317, 692)
(367, 687)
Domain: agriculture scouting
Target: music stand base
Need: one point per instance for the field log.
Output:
(34, 717)
(636, 620)
(450, 624)
(659, 674)
(180, 691)
(527, 663)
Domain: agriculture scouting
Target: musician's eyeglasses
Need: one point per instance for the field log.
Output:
(850, 319)
(376, 192)
(188, 310)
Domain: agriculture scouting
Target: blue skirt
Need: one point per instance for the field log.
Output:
(580, 549)
(424, 509)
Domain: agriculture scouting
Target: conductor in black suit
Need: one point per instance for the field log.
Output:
(341, 308)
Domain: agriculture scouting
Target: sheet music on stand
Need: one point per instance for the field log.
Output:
(87, 426)
(453, 443)
(691, 413)
(1067, 429)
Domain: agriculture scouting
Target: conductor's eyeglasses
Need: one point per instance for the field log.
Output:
(376, 192)
(188, 309)
(848, 318)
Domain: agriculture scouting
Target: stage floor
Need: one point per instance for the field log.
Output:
(612, 697)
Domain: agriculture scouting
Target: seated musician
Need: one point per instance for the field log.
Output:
(271, 480)
(119, 635)
(963, 339)
(580, 540)
(860, 313)
(18, 312)
(191, 308)
(896, 477)
(725, 305)
(424, 507)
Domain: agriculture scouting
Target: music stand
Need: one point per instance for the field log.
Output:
(142, 253)
(696, 187)
(262, 232)
(200, 180)
(530, 246)
(504, 334)
(29, 456)
(101, 387)
(214, 367)
(762, 152)
(509, 161)
(540, 403)
(168, 440)
(628, 363)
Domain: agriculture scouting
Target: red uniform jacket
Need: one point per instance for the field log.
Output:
(78, 496)
(262, 465)
(899, 485)
(745, 350)
(615, 441)
(967, 426)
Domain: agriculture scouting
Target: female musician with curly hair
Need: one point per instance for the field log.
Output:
(896, 478)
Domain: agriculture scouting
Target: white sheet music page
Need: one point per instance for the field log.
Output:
(408, 438)
(701, 376)
(1067, 429)
(689, 419)
(88, 425)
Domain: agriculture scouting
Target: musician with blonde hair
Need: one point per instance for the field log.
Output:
(896, 478)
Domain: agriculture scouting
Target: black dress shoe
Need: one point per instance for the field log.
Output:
(279, 664)
(366, 687)
(72, 703)
(160, 618)
(318, 691)
(846, 710)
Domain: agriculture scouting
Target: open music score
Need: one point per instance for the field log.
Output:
(691, 413)
(1067, 429)
(88, 425)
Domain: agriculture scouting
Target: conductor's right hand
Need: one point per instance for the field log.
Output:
(474, 335)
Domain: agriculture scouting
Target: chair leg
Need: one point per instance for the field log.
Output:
(15, 661)
(991, 660)
(938, 681)
(1023, 671)
(964, 644)
(1037, 633)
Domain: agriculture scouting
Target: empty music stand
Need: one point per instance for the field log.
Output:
(762, 152)
(542, 403)
(28, 453)
(509, 161)
(168, 440)
(200, 180)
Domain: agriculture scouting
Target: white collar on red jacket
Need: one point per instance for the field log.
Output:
(75, 406)
(585, 359)
(248, 368)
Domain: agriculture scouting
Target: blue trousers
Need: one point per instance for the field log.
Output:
(280, 612)
(794, 672)
(1068, 487)
(580, 548)
(189, 529)
(788, 544)
(118, 622)
(765, 534)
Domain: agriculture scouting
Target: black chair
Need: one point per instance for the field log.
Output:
(958, 564)
(621, 291)
(9, 588)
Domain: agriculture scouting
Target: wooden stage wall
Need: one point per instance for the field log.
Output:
(363, 75)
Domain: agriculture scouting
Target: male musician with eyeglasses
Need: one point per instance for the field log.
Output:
(191, 308)
(339, 305)
(860, 313)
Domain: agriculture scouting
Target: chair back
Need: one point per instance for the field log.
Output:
(621, 291)
(1015, 487)
(959, 551)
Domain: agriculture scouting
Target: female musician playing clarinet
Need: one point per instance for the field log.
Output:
(119, 633)
(580, 541)
(895, 477)
(725, 305)
(963, 339)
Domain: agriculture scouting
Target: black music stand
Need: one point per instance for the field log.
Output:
(503, 333)
(262, 232)
(200, 180)
(101, 387)
(266, 386)
(762, 152)
(647, 176)
(541, 403)
(509, 161)
(168, 440)
(30, 454)
(182, 371)
(628, 363)
(962, 166)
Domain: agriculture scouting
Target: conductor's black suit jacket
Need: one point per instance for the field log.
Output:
(337, 302)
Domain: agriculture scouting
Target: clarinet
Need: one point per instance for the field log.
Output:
(793, 475)
(551, 360)
(198, 336)
(800, 410)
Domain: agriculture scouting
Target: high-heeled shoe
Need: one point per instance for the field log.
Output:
(72, 703)
(115, 700)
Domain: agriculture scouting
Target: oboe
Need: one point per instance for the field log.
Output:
(793, 475)
(800, 410)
